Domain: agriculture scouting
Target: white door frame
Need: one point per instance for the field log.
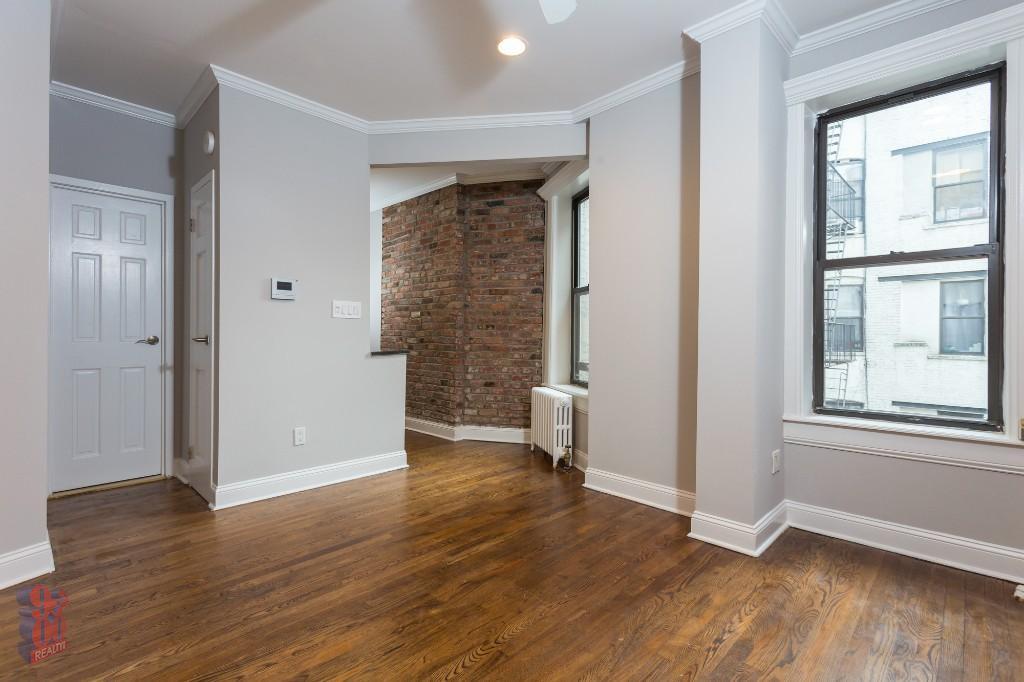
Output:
(166, 204)
(184, 472)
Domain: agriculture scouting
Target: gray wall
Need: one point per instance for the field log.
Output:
(91, 143)
(97, 144)
(294, 192)
(643, 262)
(981, 505)
(24, 175)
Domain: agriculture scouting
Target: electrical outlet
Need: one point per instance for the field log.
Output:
(776, 461)
(299, 435)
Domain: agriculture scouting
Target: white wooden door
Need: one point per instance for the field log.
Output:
(201, 336)
(106, 336)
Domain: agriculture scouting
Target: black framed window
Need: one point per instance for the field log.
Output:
(960, 179)
(962, 315)
(580, 370)
(896, 305)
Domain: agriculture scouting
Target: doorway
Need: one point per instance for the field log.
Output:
(201, 352)
(111, 334)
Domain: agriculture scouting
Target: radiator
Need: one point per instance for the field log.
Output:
(550, 421)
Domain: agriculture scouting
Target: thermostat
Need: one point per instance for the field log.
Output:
(283, 289)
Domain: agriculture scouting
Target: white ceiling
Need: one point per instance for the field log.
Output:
(386, 59)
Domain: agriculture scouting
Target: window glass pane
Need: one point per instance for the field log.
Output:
(960, 202)
(895, 174)
(582, 337)
(919, 346)
(583, 243)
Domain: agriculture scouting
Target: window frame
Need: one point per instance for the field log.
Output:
(985, 181)
(992, 251)
(577, 293)
(943, 317)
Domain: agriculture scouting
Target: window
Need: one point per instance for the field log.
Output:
(960, 183)
(899, 308)
(850, 316)
(963, 318)
(580, 371)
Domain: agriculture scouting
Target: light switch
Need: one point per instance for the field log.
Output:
(350, 310)
(299, 435)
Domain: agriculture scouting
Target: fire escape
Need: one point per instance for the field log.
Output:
(841, 211)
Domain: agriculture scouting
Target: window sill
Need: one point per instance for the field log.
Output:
(934, 444)
(581, 395)
(953, 356)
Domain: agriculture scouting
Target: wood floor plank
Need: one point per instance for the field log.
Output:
(480, 562)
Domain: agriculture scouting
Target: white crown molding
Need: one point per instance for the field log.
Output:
(507, 176)
(869, 21)
(412, 193)
(237, 81)
(638, 88)
(767, 11)
(457, 179)
(70, 92)
(205, 84)
(636, 490)
(432, 125)
(986, 31)
(253, 490)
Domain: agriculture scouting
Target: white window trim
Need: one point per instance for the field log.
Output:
(990, 38)
(558, 192)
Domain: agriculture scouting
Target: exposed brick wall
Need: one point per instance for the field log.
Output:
(505, 301)
(423, 300)
(463, 289)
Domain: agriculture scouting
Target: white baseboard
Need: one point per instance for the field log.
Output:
(580, 460)
(180, 470)
(750, 539)
(491, 434)
(652, 494)
(26, 563)
(253, 490)
(952, 550)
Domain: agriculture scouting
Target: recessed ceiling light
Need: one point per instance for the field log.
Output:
(512, 46)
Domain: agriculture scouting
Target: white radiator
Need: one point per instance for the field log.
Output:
(550, 421)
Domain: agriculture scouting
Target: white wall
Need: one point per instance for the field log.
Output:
(24, 175)
(643, 264)
(294, 192)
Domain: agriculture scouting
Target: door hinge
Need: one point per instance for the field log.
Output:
(191, 224)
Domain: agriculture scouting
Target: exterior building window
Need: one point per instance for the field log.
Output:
(580, 371)
(963, 318)
(960, 174)
(908, 318)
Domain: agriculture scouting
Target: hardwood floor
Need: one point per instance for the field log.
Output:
(481, 562)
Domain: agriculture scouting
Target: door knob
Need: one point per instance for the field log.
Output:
(150, 340)
(202, 339)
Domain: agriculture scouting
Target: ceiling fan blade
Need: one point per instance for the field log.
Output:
(557, 11)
